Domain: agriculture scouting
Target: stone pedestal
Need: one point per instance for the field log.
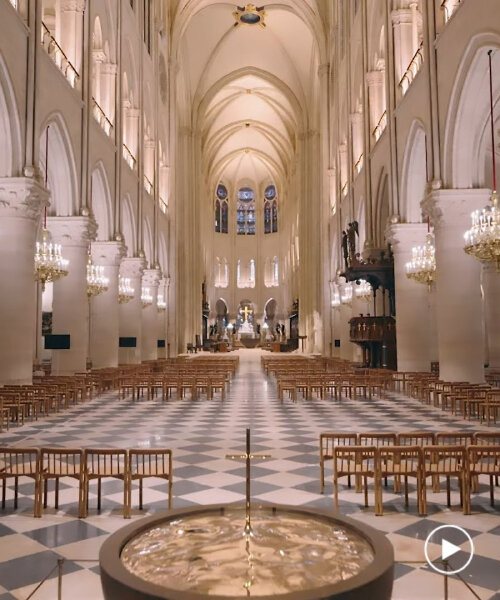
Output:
(413, 315)
(130, 314)
(491, 288)
(149, 345)
(21, 203)
(104, 315)
(459, 307)
(70, 305)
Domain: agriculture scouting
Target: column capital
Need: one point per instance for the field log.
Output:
(22, 197)
(73, 5)
(109, 68)
(451, 208)
(72, 231)
(151, 277)
(132, 267)
(401, 16)
(356, 117)
(403, 236)
(108, 254)
(374, 78)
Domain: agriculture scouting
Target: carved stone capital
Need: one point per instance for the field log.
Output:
(108, 68)
(108, 254)
(22, 197)
(151, 277)
(402, 16)
(132, 267)
(451, 208)
(72, 231)
(72, 5)
(375, 78)
(404, 236)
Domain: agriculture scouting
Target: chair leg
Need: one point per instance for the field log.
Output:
(45, 492)
(140, 493)
(127, 486)
(4, 487)
(335, 495)
(57, 492)
(448, 495)
(492, 492)
(321, 476)
(366, 489)
(424, 496)
(16, 491)
(406, 491)
(99, 494)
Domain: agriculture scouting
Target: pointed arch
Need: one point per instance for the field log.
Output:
(10, 127)
(129, 226)
(414, 175)
(101, 202)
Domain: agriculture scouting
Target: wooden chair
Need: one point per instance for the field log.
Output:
(450, 461)
(101, 463)
(416, 438)
(20, 462)
(155, 462)
(353, 460)
(327, 441)
(398, 461)
(455, 438)
(62, 462)
(484, 460)
(377, 439)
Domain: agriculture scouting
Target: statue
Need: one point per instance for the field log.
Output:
(345, 250)
(352, 232)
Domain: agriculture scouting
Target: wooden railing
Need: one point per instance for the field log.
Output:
(358, 165)
(148, 186)
(413, 69)
(163, 205)
(101, 118)
(449, 7)
(381, 125)
(57, 54)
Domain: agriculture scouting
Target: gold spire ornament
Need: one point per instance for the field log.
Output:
(249, 15)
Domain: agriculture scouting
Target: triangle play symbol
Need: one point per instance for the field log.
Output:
(448, 549)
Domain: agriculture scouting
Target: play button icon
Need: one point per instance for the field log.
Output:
(448, 549)
(462, 554)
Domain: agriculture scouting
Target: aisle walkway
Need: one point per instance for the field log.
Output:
(200, 434)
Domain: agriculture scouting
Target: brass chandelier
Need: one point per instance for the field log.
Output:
(422, 266)
(482, 241)
(97, 283)
(125, 290)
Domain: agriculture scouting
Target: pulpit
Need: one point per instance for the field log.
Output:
(377, 338)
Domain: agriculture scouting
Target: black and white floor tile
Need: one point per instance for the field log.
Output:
(201, 433)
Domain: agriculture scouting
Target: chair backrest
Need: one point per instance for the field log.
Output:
(61, 461)
(415, 438)
(487, 438)
(399, 459)
(377, 439)
(105, 461)
(329, 440)
(484, 458)
(444, 459)
(352, 459)
(19, 461)
(455, 438)
(151, 461)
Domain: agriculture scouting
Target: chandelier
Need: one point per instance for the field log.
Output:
(363, 290)
(146, 297)
(482, 241)
(97, 283)
(161, 305)
(336, 300)
(422, 267)
(49, 263)
(346, 297)
(125, 290)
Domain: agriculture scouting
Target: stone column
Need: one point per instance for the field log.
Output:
(402, 23)
(70, 32)
(357, 136)
(108, 80)
(104, 314)
(132, 120)
(491, 288)
(130, 314)
(413, 315)
(376, 97)
(149, 347)
(459, 306)
(70, 305)
(162, 317)
(21, 203)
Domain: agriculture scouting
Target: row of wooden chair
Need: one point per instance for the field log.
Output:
(84, 465)
(151, 385)
(328, 441)
(420, 462)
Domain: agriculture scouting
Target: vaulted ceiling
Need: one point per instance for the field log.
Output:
(248, 91)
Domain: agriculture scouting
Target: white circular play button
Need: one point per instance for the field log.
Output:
(450, 538)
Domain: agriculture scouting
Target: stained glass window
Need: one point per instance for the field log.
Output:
(221, 210)
(270, 210)
(245, 214)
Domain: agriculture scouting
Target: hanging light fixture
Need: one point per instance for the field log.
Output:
(422, 266)
(97, 283)
(346, 297)
(363, 290)
(146, 297)
(336, 300)
(125, 290)
(161, 305)
(482, 241)
(49, 262)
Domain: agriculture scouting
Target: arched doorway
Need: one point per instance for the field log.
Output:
(245, 319)
(270, 312)
(221, 318)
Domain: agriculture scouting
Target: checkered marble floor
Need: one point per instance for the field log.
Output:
(200, 433)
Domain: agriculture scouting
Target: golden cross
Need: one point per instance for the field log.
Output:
(248, 457)
(247, 312)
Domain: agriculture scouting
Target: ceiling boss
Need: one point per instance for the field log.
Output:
(249, 15)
